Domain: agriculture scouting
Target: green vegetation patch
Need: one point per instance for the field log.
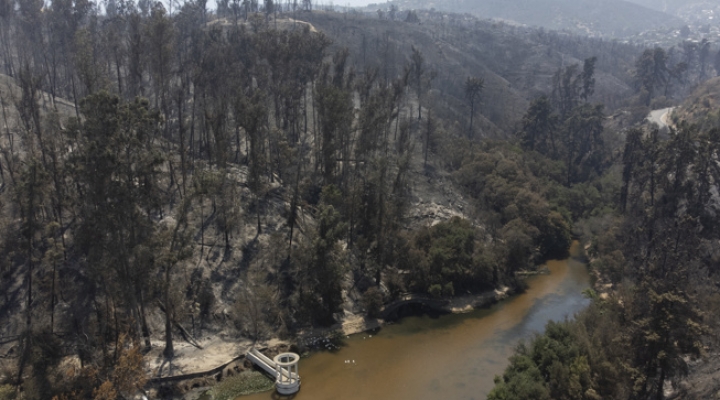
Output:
(7, 392)
(243, 384)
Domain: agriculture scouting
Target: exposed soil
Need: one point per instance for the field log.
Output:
(702, 382)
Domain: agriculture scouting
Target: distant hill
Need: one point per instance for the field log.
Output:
(516, 63)
(691, 11)
(672, 6)
(616, 18)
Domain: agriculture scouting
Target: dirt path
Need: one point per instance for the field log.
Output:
(660, 117)
(190, 360)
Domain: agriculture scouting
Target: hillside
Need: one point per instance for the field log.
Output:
(231, 181)
(517, 64)
(668, 6)
(679, 7)
(611, 18)
(276, 177)
(701, 106)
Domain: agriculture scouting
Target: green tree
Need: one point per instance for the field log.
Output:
(569, 86)
(322, 267)
(88, 70)
(257, 304)
(521, 380)
(160, 39)
(116, 170)
(566, 89)
(137, 58)
(631, 157)
(175, 245)
(416, 72)
(583, 140)
(335, 115)
(539, 125)
(473, 88)
(588, 78)
(251, 114)
(30, 196)
(447, 259)
(651, 72)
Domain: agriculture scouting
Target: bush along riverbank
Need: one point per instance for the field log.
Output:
(245, 383)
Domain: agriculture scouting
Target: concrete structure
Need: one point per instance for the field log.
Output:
(288, 379)
(284, 367)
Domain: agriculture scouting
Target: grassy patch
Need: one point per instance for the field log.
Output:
(247, 382)
(7, 392)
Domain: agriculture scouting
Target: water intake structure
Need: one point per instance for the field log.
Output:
(451, 356)
(284, 367)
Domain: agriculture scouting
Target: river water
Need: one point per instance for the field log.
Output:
(450, 357)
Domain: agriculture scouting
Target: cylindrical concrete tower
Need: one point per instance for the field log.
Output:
(288, 379)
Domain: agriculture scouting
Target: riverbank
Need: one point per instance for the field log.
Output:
(358, 323)
(195, 370)
(431, 356)
(192, 373)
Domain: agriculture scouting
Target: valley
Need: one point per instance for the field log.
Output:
(180, 183)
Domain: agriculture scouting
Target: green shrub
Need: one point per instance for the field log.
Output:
(243, 384)
(372, 301)
(395, 284)
(7, 392)
(435, 290)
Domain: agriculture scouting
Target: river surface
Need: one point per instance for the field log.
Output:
(450, 357)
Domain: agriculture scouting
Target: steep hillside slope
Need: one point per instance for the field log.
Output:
(276, 177)
(691, 11)
(517, 64)
(615, 18)
(668, 6)
(701, 107)
(675, 7)
(11, 120)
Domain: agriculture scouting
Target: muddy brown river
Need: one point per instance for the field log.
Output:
(447, 357)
